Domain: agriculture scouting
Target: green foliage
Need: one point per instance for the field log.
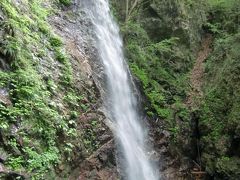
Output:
(55, 41)
(160, 47)
(175, 133)
(225, 87)
(66, 2)
(28, 39)
(162, 68)
(158, 57)
(152, 64)
(214, 28)
(4, 79)
(222, 4)
(73, 99)
(42, 162)
(224, 15)
(228, 167)
(219, 121)
(60, 56)
(9, 47)
(90, 136)
(15, 163)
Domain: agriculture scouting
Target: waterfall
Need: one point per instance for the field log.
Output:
(120, 101)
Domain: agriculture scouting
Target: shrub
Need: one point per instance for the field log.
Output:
(55, 42)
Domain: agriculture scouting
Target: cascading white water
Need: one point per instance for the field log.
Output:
(121, 103)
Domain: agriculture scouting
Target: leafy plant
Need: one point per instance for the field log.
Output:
(66, 2)
(9, 47)
(55, 41)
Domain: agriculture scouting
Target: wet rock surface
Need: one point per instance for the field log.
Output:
(75, 29)
(100, 165)
(170, 164)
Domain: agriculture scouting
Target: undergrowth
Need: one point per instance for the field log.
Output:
(28, 41)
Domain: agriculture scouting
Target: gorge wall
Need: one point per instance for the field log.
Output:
(52, 123)
(178, 51)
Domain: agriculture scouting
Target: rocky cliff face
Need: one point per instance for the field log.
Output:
(50, 95)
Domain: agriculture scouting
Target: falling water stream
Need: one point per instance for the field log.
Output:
(120, 101)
